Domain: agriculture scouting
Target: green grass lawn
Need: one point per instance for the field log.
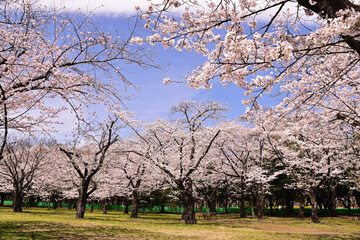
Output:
(38, 223)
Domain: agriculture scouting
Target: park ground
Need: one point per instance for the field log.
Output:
(39, 223)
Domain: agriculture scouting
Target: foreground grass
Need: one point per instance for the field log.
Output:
(37, 223)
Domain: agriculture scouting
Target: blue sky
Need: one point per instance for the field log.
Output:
(155, 99)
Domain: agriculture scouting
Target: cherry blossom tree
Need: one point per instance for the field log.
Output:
(107, 186)
(52, 185)
(312, 148)
(207, 183)
(306, 48)
(136, 178)
(23, 163)
(54, 55)
(179, 148)
(243, 155)
(305, 51)
(234, 153)
(87, 160)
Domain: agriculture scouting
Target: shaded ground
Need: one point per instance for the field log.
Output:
(37, 223)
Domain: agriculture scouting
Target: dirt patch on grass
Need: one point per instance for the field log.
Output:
(303, 230)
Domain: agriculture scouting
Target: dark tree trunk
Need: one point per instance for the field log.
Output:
(226, 206)
(260, 204)
(314, 206)
(134, 206)
(201, 206)
(332, 202)
(188, 202)
(117, 203)
(288, 199)
(126, 206)
(357, 198)
(69, 203)
(103, 206)
(2, 196)
(271, 205)
(301, 205)
(81, 202)
(18, 200)
(30, 201)
(162, 210)
(242, 207)
(349, 203)
(212, 202)
(92, 206)
(55, 204)
(328, 9)
(48, 205)
(252, 208)
(80, 207)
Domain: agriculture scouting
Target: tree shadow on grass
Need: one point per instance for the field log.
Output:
(45, 230)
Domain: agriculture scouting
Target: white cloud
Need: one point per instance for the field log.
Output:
(112, 7)
(127, 7)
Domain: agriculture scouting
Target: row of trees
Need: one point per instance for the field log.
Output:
(195, 154)
(310, 138)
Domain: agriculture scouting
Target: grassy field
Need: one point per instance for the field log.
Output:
(38, 223)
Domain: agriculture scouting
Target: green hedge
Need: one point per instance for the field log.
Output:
(276, 211)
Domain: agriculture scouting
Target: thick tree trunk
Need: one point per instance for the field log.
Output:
(83, 195)
(103, 206)
(18, 200)
(188, 202)
(242, 198)
(260, 204)
(314, 206)
(301, 205)
(134, 206)
(81, 202)
(212, 202)
(80, 207)
(332, 202)
(162, 210)
(242, 207)
(48, 205)
(288, 200)
(55, 204)
(252, 208)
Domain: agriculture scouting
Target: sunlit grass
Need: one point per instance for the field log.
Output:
(38, 223)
